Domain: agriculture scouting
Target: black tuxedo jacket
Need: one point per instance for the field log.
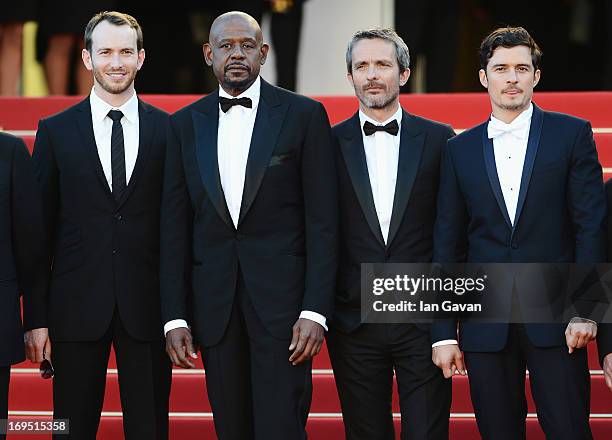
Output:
(22, 257)
(285, 243)
(560, 216)
(604, 332)
(414, 207)
(104, 254)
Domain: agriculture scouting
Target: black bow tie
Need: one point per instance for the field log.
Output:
(227, 103)
(391, 128)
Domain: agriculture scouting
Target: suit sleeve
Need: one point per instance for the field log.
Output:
(450, 233)
(47, 174)
(587, 200)
(176, 233)
(321, 214)
(604, 341)
(28, 237)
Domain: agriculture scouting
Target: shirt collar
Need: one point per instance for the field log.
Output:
(252, 92)
(397, 115)
(100, 108)
(521, 119)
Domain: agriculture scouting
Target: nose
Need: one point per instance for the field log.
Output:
(512, 76)
(237, 53)
(372, 72)
(116, 61)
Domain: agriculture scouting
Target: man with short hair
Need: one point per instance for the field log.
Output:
(388, 167)
(249, 230)
(23, 265)
(523, 187)
(100, 166)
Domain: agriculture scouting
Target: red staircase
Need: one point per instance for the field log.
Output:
(190, 413)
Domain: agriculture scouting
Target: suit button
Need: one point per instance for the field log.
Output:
(114, 251)
(118, 217)
(514, 246)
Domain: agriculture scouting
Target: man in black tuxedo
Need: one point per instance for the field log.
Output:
(100, 165)
(604, 335)
(388, 167)
(524, 187)
(22, 258)
(248, 253)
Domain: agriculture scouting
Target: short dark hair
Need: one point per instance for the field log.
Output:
(509, 37)
(401, 50)
(116, 18)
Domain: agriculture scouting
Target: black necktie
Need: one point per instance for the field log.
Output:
(117, 154)
(391, 128)
(227, 103)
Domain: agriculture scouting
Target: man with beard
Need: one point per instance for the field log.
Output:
(100, 166)
(248, 253)
(523, 187)
(23, 265)
(388, 166)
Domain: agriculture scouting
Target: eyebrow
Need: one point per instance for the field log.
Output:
(110, 48)
(507, 64)
(385, 61)
(229, 40)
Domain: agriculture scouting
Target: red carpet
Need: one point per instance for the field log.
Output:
(190, 410)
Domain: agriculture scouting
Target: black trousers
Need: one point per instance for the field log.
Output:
(254, 391)
(559, 384)
(145, 375)
(364, 362)
(5, 374)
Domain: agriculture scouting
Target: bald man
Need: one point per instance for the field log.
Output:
(248, 239)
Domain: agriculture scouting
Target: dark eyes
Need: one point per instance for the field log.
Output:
(228, 46)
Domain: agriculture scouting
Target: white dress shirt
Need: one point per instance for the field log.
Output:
(509, 147)
(382, 157)
(103, 129)
(233, 144)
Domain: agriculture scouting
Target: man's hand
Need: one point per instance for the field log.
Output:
(37, 344)
(179, 346)
(607, 369)
(449, 359)
(307, 340)
(579, 333)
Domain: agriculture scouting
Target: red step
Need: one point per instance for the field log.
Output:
(319, 427)
(28, 392)
(461, 110)
(322, 362)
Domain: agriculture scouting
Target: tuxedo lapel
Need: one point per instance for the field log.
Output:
(145, 134)
(533, 143)
(351, 146)
(205, 126)
(411, 149)
(268, 123)
(489, 157)
(85, 129)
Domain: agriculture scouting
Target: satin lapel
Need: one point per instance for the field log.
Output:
(411, 150)
(533, 143)
(268, 122)
(85, 128)
(205, 127)
(145, 133)
(353, 152)
(489, 157)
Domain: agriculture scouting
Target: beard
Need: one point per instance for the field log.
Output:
(112, 87)
(380, 101)
(240, 84)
